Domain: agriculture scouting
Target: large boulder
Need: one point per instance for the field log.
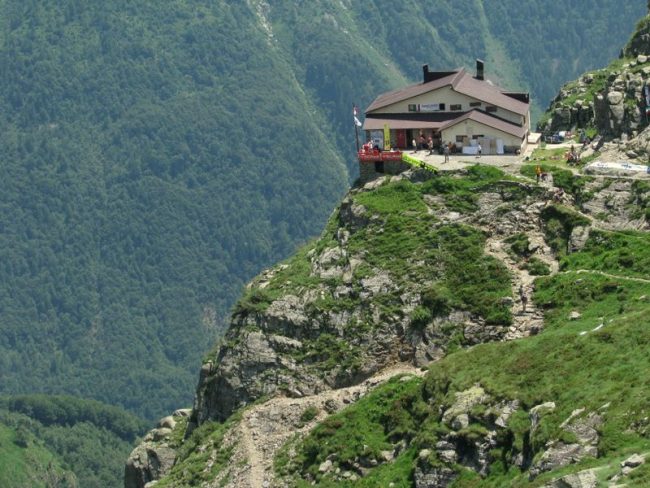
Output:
(581, 479)
(148, 462)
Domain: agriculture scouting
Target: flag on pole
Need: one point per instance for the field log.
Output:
(357, 122)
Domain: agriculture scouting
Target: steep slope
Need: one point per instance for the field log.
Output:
(442, 258)
(25, 463)
(423, 286)
(610, 101)
(156, 157)
(145, 177)
(85, 437)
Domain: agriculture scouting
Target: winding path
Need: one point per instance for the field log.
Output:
(608, 275)
(265, 428)
(529, 320)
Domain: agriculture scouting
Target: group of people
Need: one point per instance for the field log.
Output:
(427, 145)
(424, 144)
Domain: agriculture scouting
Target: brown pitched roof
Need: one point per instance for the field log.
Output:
(400, 94)
(460, 81)
(486, 92)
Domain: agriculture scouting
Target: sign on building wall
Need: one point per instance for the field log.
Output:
(431, 107)
(426, 107)
(386, 137)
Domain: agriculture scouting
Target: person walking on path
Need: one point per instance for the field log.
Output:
(445, 151)
(523, 298)
(538, 172)
(480, 150)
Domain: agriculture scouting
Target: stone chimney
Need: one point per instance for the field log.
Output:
(480, 69)
(425, 72)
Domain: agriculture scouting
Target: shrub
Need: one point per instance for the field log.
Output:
(309, 414)
(537, 267)
(438, 300)
(420, 317)
(519, 245)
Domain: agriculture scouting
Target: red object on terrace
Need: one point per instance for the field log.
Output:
(367, 155)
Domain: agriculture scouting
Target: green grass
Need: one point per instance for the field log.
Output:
(363, 431)
(327, 352)
(559, 221)
(204, 444)
(537, 267)
(451, 253)
(620, 253)
(569, 363)
(519, 244)
(563, 177)
(25, 463)
(444, 264)
(599, 83)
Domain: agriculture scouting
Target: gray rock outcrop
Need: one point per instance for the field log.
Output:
(147, 462)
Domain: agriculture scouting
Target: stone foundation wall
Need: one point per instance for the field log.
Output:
(368, 171)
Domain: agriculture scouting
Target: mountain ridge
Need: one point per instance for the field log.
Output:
(355, 315)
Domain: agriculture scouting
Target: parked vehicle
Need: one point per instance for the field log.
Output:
(554, 138)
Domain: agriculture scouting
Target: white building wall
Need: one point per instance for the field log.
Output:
(472, 128)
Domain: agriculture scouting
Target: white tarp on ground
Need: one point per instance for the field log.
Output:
(618, 168)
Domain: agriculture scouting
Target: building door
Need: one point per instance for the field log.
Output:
(401, 139)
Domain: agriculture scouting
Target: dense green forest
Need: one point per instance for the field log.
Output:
(145, 176)
(58, 441)
(154, 157)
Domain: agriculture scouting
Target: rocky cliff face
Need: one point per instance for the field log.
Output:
(611, 100)
(408, 269)
(348, 314)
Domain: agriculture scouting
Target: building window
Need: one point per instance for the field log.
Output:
(478, 136)
(490, 108)
(455, 107)
(475, 104)
(413, 107)
(460, 138)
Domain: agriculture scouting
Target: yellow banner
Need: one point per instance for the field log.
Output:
(386, 137)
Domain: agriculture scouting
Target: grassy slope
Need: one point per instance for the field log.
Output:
(88, 438)
(408, 242)
(25, 463)
(563, 364)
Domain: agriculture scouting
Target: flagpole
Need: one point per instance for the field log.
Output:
(356, 127)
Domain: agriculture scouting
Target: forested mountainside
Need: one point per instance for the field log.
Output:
(154, 157)
(53, 441)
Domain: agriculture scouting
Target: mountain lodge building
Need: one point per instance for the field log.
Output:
(451, 107)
